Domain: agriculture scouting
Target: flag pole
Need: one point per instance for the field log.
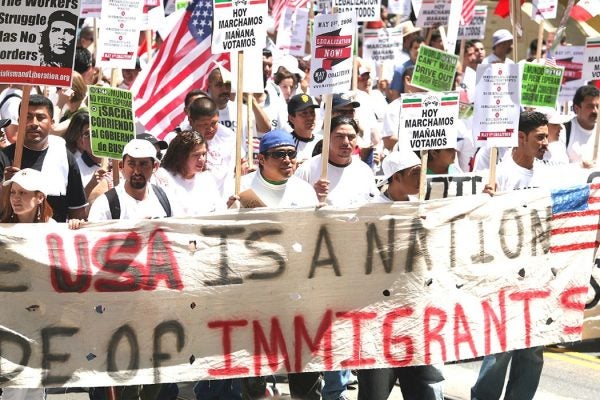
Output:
(250, 133)
(423, 176)
(238, 126)
(326, 136)
(115, 163)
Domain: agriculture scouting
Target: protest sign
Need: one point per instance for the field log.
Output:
(238, 25)
(153, 15)
(382, 45)
(429, 119)
(433, 13)
(434, 69)
(456, 185)
(291, 36)
(400, 8)
(119, 33)
(476, 29)
(543, 9)
(111, 121)
(496, 112)
(251, 69)
(326, 300)
(591, 59)
(365, 10)
(331, 62)
(37, 43)
(91, 8)
(540, 85)
(571, 59)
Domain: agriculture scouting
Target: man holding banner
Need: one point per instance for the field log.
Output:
(516, 171)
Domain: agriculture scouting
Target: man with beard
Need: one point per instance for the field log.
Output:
(57, 42)
(135, 198)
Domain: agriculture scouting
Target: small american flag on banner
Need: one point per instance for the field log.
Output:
(575, 218)
(181, 64)
(468, 11)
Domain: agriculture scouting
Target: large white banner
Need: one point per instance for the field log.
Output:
(238, 25)
(259, 292)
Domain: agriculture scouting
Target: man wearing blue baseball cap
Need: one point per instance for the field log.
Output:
(274, 183)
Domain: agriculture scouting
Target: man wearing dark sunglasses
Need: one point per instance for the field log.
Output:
(274, 184)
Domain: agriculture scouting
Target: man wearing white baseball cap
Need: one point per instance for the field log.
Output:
(402, 170)
(133, 199)
(502, 45)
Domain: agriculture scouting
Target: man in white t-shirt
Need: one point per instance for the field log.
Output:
(516, 172)
(502, 46)
(581, 130)
(302, 117)
(274, 184)
(136, 197)
(350, 182)
(10, 100)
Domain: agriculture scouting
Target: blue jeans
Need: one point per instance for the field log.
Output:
(226, 389)
(335, 384)
(523, 379)
(423, 382)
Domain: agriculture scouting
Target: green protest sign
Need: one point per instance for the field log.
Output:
(111, 120)
(540, 85)
(434, 70)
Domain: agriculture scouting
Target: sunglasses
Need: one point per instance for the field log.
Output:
(282, 154)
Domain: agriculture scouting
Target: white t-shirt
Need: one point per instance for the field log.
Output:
(492, 58)
(391, 119)
(511, 176)
(191, 197)
(349, 186)
(294, 193)
(305, 147)
(581, 143)
(131, 208)
(86, 171)
(220, 159)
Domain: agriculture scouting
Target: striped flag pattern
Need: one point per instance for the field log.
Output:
(181, 64)
(468, 11)
(575, 212)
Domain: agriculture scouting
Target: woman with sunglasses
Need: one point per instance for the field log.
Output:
(184, 177)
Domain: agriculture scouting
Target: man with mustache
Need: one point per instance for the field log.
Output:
(581, 130)
(135, 197)
(57, 42)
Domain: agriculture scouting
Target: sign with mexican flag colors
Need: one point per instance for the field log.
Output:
(238, 25)
(591, 57)
(428, 120)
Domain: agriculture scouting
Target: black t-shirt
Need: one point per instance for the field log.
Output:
(75, 196)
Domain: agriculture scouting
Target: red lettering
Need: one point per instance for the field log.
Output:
(460, 320)
(323, 335)
(499, 323)
(357, 360)
(116, 254)
(569, 303)
(271, 348)
(228, 369)
(430, 334)
(389, 339)
(60, 274)
(162, 263)
(526, 297)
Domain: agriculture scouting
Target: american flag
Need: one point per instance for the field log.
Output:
(575, 218)
(468, 10)
(278, 7)
(181, 64)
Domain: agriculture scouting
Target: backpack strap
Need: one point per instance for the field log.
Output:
(163, 199)
(113, 203)
(568, 131)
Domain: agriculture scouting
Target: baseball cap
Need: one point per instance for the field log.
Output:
(29, 179)
(341, 100)
(276, 138)
(4, 123)
(397, 161)
(152, 139)
(500, 36)
(140, 148)
(301, 102)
